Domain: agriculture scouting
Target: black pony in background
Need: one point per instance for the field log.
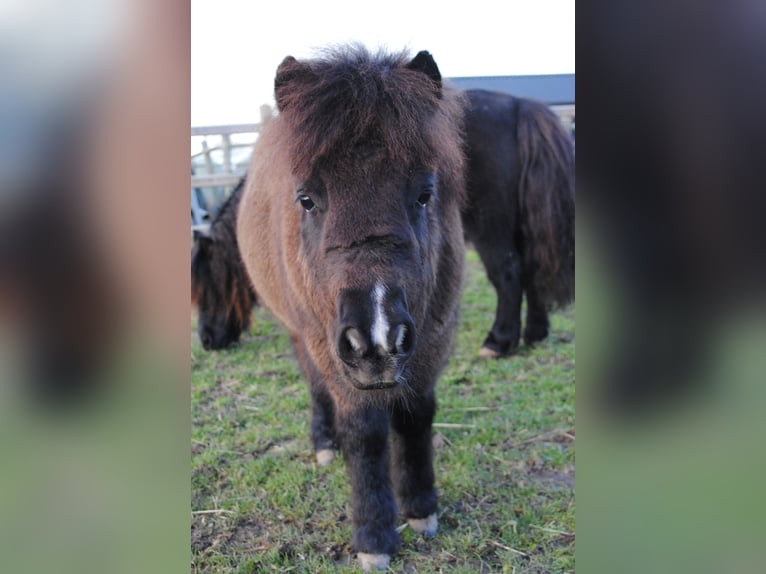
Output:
(220, 287)
(520, 212)
(519, 217)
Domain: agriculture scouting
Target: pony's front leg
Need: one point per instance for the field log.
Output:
(322, 407)
(363, 435)
(412, 458)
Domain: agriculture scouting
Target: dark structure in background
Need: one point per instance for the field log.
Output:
(551, 89)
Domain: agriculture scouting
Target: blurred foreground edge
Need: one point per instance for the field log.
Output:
(671, 184)
(94, 283)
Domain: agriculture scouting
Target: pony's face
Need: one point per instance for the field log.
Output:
(218, 323)
(367, 141)
(368, 237)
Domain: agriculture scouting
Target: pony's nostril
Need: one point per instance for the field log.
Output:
(356, 341)
(207, 339)
(352, 344)
(403, 339)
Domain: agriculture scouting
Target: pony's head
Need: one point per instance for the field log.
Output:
(375, 158)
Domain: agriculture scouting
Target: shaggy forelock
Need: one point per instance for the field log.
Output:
(352, 101)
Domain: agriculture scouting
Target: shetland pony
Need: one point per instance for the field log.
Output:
(350, 232)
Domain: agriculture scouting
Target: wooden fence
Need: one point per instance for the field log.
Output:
(215, 169)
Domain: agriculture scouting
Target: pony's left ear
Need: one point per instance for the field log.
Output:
(289, 72)
(424, 62)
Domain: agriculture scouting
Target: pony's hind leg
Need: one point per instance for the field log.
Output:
(537, 324)
(504, 271)
(323, 436)
(412, 463)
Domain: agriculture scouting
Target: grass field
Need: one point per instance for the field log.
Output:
(504, 462)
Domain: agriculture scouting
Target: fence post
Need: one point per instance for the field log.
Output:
(206, 152)
(265, 114)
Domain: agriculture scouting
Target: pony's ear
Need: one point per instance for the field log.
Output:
(289, 72)
(424, 62)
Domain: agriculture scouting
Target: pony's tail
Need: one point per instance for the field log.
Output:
(547, 203)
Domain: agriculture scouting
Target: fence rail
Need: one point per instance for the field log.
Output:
(225, 129)
(218, 165)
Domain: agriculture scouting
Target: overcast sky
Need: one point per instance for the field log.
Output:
(238, 44)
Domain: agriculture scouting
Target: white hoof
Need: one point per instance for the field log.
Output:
(487, 353)
(427, 526)
(325, 456)
(370, 562)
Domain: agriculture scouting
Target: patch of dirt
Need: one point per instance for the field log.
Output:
(562, 478)
(208, 531)
(245, 536)
(216, 531)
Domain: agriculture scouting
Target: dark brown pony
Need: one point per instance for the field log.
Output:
(520, 211)
(220, 286)
(350, 231)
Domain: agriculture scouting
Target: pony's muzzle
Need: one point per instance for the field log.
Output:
(375, 335)
(214, 339)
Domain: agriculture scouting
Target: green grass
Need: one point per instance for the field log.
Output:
(505, 473)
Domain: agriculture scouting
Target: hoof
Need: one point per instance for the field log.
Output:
(370, 562)
(487, 353)
(427, 526)
(325, 456)
(534, 335)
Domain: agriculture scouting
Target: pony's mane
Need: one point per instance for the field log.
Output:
(224, 226)
(350, 103)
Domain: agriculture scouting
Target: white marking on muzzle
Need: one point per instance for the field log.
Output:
(380, 321)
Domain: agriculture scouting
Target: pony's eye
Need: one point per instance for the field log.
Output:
(424, 198)
(306, 203)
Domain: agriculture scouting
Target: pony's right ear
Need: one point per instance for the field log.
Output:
(289, 72)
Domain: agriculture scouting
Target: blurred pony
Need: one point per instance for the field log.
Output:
(221, 289)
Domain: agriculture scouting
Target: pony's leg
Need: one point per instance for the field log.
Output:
(536, 328)
(322, 408)
(412, 457)
(322, 424)
(504, 270)
(363, 437)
